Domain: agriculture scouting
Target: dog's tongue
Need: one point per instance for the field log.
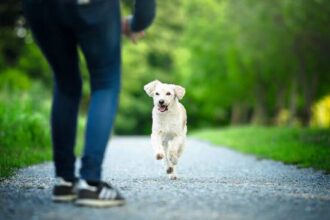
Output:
(162, 108)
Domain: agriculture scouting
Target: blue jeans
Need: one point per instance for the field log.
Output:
(59, 26)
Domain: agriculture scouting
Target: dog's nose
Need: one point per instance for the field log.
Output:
(161, 101)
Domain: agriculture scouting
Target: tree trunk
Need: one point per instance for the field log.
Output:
(259, 115)
(280, 102)
(239, 113)
(308, 82)
(259, 110)
(309, 86)
(293, 100)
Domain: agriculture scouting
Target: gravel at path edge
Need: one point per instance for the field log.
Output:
(214, 183)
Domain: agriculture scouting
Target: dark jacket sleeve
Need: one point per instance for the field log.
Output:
(144, 14)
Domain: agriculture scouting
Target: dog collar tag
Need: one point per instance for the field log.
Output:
(83, 2)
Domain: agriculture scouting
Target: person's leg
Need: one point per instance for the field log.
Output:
(59, 46)
(100, 43)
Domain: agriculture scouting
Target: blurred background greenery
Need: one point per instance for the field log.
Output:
(242, 62)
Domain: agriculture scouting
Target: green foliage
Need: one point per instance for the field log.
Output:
(305, 147)
(261, 56)
(321, 113)
(32, 63)
(24, 129)
(14, 80)
(80, 139)
(241, 62)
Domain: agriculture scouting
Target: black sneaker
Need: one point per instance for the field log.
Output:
(64, 191)
(101, 194)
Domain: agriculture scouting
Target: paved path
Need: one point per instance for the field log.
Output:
(215, 183)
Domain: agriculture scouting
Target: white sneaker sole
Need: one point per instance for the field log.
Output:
(67, 198)
(99, 203)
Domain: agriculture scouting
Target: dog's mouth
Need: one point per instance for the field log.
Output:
(162, 108)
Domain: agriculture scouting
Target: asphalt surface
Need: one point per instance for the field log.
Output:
(214, 183)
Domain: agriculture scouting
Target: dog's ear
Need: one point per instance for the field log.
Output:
(179, 91)
(150, 87)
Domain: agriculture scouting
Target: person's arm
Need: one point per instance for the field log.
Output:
(144, 14)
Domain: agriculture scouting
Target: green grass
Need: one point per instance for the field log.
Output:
(25, 132)
(305, 147)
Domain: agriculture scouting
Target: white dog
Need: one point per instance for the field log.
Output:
(169, 124)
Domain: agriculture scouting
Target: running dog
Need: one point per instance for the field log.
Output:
(169, 123)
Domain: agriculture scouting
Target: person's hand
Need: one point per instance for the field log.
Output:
(126, 31)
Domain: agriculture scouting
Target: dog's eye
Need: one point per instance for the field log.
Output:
(157, 93)
(168, 93)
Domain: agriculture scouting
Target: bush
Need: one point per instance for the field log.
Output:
(14, 80)
(321, 113)
(24, 129)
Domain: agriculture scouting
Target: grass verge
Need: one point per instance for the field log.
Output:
(305, 147)
(25, 133)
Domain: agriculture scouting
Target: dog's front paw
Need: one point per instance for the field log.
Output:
(173, 177)
(169, 170)
(159, 156)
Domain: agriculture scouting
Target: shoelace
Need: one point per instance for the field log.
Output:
(106, 184)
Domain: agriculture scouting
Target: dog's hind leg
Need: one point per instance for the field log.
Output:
(172, 156)
(175, 149)
(173, 175)
(170, 167)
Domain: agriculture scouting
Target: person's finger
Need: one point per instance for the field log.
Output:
(138, 36)
(134, 38)
(142, 34)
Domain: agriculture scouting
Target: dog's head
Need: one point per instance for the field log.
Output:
(164, 95)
